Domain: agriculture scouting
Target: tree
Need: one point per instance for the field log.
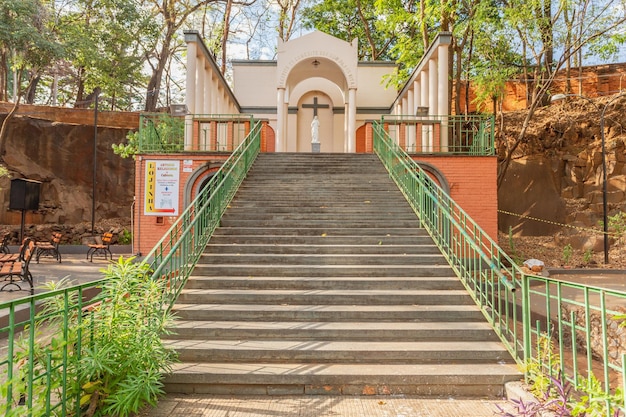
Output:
(520, 15)
(350, 19)
(26, 47)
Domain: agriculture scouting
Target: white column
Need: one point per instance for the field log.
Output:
(346, 114)
(280, 119)
(417, 95)
(432, 97)
(214, 96)
(200, 87)
(206, 74)
(443, 104)
(424, 102)
(352, 120)
(411, 127)
(190, 96)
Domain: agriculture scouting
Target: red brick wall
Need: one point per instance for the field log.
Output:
(472, 181)
(149, 229)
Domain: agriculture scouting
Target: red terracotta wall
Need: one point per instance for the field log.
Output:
(472, 181)
(149, 229)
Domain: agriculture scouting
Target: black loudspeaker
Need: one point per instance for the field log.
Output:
(24, 194)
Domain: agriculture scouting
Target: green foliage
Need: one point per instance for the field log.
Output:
(125, 238)
(587, 398)
(588, 256)
(617, 224)
(566, 256)
(114, 355)
(512, 251)
(157, 133)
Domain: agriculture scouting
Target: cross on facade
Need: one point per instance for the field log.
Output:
(315, 106)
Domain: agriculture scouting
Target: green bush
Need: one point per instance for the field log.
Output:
(116, 357)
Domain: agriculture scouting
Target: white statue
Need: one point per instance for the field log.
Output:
(315, 130)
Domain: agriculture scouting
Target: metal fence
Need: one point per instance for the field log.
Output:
(461, 135)
(163, 133)
(576, 322)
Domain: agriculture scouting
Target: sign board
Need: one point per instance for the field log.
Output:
(162, 185)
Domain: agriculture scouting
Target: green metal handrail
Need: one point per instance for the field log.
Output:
(175, 255)
(520, 312)
(172, 259)
(467, 134)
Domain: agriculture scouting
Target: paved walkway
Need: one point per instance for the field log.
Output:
(320, 406)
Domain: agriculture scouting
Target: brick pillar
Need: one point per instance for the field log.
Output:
(213, 139)
(437, 137)
(402, 136)
(418, 137)
(229, 137)
(195, 138)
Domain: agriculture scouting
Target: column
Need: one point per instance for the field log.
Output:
(352, 120)
(443, 104)
(190, 96)
(199, 89)
(280, 119)
(411, 125)
(424, 102)
(432, 98)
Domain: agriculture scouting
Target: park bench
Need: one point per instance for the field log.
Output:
(100, 248)
(50, 248)
(14, 270)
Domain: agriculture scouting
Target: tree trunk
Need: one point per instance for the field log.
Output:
(152, 93)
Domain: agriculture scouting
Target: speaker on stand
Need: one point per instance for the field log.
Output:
(24, 196)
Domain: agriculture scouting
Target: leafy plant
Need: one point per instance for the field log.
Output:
(568, 251)
(588, 256)
(125, 237)
(513, 251)
(162, 133)
(114, 353)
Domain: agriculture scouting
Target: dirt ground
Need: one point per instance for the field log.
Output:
(545, 249)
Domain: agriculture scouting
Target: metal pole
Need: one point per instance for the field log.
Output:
(95, 160)
(605, 223)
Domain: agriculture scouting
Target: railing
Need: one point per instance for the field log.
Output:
(175, 255)
(522, 308)
(26, 383)
(160, 132)
(29, 375)
(461, 135)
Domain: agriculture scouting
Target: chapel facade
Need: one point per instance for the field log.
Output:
(316, 76)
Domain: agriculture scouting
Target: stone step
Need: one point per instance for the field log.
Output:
(476, 380)
(330, 331)
(322, 259)
(344, 352)
(212, 270)
(336, 297)
(328, 313)
(316, 224)
(317, 240)
(312, 249)
(320, 280)
(323, 231)
(335, 283)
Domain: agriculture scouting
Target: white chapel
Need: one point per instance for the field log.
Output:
(315, 75)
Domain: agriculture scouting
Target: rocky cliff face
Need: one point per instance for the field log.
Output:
(61, 156)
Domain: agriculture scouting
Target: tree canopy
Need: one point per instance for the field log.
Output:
(131, 52)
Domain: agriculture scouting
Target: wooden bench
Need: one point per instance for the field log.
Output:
(14, 272)
(100, 248)
(49, 248)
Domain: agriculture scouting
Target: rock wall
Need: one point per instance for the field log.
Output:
(61, 156)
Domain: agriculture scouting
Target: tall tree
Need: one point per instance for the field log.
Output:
(520, 15)
(350, 19)
(172, 16)
(26, 47)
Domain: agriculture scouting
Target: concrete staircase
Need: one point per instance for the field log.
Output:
(320, 280)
